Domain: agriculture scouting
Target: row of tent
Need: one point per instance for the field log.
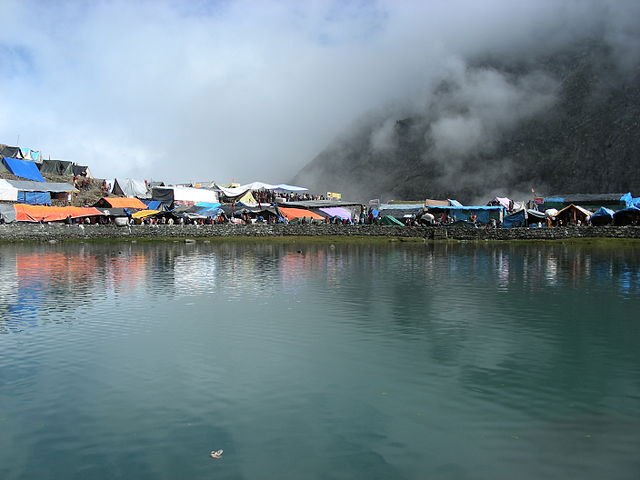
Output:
(32, 192)
(33, 171)
(574, 214)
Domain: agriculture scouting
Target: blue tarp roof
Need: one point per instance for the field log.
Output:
(24, 168)
(466, 207)
(603, 212)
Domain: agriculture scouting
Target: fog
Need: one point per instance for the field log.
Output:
(242, 91)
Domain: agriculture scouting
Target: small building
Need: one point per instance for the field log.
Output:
(572, 215)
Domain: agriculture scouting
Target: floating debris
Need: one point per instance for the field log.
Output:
(216, 454)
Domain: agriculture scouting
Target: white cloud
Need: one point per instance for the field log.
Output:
(236, 90)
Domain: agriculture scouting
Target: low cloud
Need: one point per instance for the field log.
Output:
(245, 90)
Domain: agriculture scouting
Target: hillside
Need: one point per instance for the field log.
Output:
(567, 121)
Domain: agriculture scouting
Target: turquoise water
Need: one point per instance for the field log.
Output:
(387, 361)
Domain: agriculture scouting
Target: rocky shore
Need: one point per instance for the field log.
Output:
(61, 232)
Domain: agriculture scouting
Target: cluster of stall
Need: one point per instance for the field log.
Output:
(540, 212)
(136, 202)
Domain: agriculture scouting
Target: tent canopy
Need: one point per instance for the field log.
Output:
(293, 213)
(8, 192)
(144, 213)
(184, 194)
(57, 167)
(389, 220)
(130, 187)
(36, 213)
(51, 187)
(339, 212)
(24, 168)
(119, 202)
(81, 171)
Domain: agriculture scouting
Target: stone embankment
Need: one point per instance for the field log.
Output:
(61, 232)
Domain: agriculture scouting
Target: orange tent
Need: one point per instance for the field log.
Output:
(291, 213)
(119, 202)
(37, 213)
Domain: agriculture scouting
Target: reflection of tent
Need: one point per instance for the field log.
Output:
(130, 187)
(24, 168)
(57, 167)
(389, 220)
(119, 202)
(293, 213)
(36, 213)
(602, 216)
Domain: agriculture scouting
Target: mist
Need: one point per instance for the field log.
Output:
(242, 91)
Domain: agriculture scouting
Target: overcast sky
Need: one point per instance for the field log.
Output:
(240, 90)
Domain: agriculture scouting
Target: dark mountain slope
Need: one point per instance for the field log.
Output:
(560, 123)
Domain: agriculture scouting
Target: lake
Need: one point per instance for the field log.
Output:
(313, 360)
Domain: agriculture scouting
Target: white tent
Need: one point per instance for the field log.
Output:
(184, 194)
(8, 192)
(242, 189)
(130, 187)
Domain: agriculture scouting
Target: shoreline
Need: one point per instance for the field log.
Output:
(16, 233)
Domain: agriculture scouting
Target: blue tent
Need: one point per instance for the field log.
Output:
(24, 169)
(602, 216)
(483, 213)
(34, 198)
(515, 220)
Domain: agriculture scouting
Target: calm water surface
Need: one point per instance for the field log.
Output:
(386, 361)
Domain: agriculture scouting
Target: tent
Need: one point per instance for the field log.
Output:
(144, 213)
(233, 192)
(7, 213)
(9, 151)
(602, 216)
(36, 213)
(57, 167)
(51, 187)
(572, 214)
(248, 199)
(119, 202)
(294, 213)
(627, 216)
(516, 219)
(389, 220)
(24, 168)
(130, 187)
(483, 213)
(34, 198)
(29, 154)
(339, 212)
(8, 193)
(81, 171)
(183, 195)
(400, 210)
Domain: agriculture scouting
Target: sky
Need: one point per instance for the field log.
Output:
(245, 90)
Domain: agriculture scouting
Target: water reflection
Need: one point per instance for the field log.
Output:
(46, 279)
(370, 360)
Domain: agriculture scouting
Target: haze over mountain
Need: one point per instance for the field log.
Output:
(558, 117)
(244, 90)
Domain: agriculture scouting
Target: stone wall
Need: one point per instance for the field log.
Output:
(61, 232)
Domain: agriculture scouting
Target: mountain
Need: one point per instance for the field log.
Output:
(566, 121)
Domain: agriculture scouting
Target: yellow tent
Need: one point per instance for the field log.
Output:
(248, 198)
(144, 213)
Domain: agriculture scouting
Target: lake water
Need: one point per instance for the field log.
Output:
(309, 361)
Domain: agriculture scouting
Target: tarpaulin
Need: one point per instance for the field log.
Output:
(130, 187)
(339, 212)
(36, 213)
(119, 202)
(144, 213)
(292, 213)
(602, 216)
(34, 198)
(24, 168)
(8, 192)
